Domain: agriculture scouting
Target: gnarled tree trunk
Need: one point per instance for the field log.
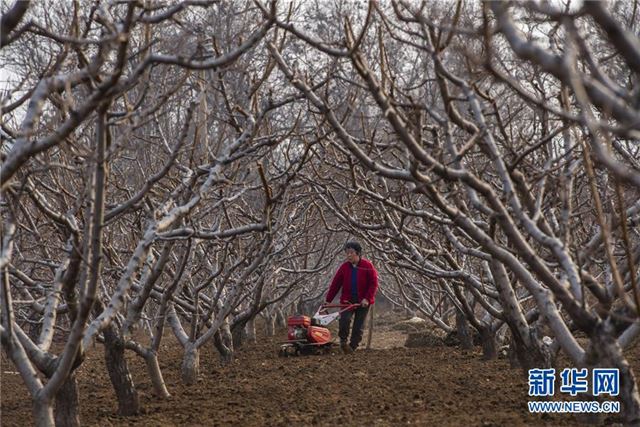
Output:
(251, 330)
(239, 335)
(532, 356)
(128, 402)
(281, 319)
(462, 329)
(604, 352)
(488, 342)
(270, 324)
(223, 342)
(67, 410)
(190, 364)
(43, 412)
(153, 369)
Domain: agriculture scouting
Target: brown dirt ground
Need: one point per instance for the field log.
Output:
(386, 385)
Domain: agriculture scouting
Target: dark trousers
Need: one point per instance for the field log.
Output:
(358, 325)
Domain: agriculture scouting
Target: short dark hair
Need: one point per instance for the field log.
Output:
(353, 245)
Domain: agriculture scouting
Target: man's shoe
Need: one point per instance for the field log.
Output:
(346, 348)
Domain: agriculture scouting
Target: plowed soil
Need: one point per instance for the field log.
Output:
(383, 386)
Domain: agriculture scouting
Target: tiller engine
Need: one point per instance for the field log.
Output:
(310, 335)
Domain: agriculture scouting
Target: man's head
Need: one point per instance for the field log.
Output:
(353, 250)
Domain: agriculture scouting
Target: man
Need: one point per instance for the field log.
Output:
(359, 282)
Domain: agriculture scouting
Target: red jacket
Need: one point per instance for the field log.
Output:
(366, 281)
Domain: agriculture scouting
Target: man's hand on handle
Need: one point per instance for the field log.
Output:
(364, 303)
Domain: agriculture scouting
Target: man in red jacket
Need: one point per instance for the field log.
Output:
(358, 279)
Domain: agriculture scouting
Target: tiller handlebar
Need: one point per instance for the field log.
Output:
(323, 317)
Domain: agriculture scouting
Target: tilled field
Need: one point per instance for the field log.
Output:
(387, 385)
